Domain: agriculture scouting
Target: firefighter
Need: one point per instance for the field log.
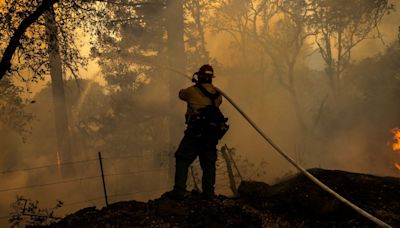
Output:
(199, 139)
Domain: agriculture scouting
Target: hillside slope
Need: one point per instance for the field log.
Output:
(295, 202)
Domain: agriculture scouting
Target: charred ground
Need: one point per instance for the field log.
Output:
(295, 202)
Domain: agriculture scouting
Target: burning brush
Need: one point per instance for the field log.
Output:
(396, 144)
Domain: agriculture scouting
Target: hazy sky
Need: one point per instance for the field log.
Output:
(217, 44)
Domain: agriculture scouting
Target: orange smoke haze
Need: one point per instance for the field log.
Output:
(259, 93)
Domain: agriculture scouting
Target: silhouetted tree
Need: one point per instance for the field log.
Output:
(282, 32)
(46, 39)
(59, 103)
(12, 109)
(196, 13)
(138, 49)
(24, 36)
(21, 25)
(129, 49)
(340, 25)
(237, 18)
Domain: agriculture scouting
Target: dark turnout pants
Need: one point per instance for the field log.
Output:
(191, 146)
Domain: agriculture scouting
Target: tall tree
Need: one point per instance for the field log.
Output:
(23, 34)
(235, 18)
(277, 30)
(45, 43)
(130, 49)
(177, 61)
(340, 25)
(59, 101)
(282, 32)
(196, 22)
(139, 49)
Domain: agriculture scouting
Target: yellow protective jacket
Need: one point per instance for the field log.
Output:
(196, 99)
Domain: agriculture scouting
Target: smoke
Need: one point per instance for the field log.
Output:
(338, 136)
(350, 136)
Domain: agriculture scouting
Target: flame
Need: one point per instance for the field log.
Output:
(396, 144)
(396, 138)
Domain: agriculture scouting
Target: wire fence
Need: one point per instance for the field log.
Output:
(91, 161)
(54, 165)
(80, 179)
(86, 162)
(48, 184)
(57, 165)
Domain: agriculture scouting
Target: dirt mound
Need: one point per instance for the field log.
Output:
(165, 212)
(299, 199)
(295, 202)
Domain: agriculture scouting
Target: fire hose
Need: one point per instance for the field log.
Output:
(293, 162)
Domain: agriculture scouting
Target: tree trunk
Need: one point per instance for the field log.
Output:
(59, 103)
(330, 65)
(197, 18)
(295, 99)
(177, 61)
(175, 45)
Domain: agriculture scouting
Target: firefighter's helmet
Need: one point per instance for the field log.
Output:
(206, 71)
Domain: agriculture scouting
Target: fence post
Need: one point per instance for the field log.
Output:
(233, 161)
(102, 177)
(232, 183)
